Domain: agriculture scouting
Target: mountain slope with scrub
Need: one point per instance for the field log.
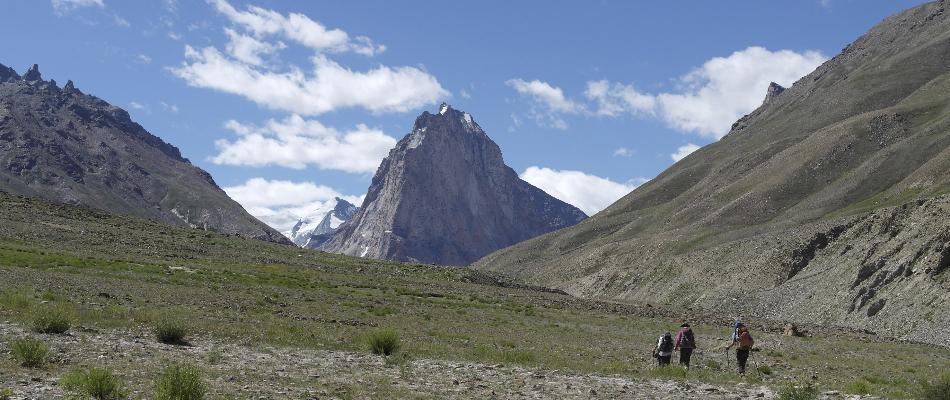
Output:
(827, 204)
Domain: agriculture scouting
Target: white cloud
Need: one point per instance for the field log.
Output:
(684, 151)
(708, 100)
(296, 142)
(137, 105)
(61, 7)
(248, 49)
(144, 59)
(297, 27)
(548, 102)
(624, 152)
(588, 192)
(712, 96)
(465, 94)
(280, 203)
(172, 108)
(329, 87)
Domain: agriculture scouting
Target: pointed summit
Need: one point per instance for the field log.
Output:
(69, 87)
(8, 74)
(33, 74)
(773, 91)
(445, 196)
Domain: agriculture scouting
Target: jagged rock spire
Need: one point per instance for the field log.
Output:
(773, 91)
(33, 74)
(8, 74)
(69, 86)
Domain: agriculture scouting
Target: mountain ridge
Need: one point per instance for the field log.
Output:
(443, 195)
(63, 145)
(868, 129)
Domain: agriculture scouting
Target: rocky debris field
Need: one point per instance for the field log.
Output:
(237, 371)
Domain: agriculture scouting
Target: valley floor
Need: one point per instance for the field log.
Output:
(273, 322)
(235, 371)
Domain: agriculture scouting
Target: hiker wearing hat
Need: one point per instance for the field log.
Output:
(685, 342)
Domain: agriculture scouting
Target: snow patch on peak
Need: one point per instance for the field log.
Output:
(417, 137)
(468, 121)
(444, 108)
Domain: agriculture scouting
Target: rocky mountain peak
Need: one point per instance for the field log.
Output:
(773, 91)
(33, 74)
(445, 196)
(74, 148)
(8, 74)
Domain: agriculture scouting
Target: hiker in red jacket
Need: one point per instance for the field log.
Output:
(685, 342)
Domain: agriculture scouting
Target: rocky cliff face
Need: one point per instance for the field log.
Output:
(445, 196)
(66, 146)
(787, 216)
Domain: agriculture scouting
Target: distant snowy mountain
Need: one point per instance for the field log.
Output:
(321, 223)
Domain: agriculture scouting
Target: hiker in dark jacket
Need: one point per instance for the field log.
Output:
(685, 342)
(743, 343)
(663, 351)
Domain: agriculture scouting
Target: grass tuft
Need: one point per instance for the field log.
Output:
(939, 390)
(383, 342)
(171, 330)
(52, 320)
(806, 391)
(180, 382)
(97, 383)
(30, 352)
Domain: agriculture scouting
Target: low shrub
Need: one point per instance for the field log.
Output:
(97, 383)
(764, 370)
(180, 382)
(939, 390)
(30, 352)
(383, 342)
(170, 330)
(806, 391)
(54, 320)
(859, 386)
(6, 393)
(669, 372)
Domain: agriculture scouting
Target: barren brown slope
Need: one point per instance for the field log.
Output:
(788, 205)
(63, 145)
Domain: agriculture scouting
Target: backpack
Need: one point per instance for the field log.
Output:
(666, 343)
(688, 341)
(745, 340)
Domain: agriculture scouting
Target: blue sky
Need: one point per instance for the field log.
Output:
(288, 104)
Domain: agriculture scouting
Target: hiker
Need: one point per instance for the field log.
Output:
(685, 342)
(663, 351)
(743, 343)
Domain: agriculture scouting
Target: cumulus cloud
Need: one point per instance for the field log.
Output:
(296, 142)
(588, 192)
(248, 49)
(281, 203)
(328, 87)
(684, 151)
(713, 96)
(61, 7)
(297, 27)
(548, 102)
(707, 100)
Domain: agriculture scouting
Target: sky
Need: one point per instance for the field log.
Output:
(291, 104)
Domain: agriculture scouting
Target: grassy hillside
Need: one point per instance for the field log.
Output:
(118, 274)
(808, 209)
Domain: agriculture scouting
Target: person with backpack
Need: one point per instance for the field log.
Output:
(663, 351)
(685, 342)
(743, 343)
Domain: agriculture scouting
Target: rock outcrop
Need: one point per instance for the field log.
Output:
(65, 146)
(445, 196)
